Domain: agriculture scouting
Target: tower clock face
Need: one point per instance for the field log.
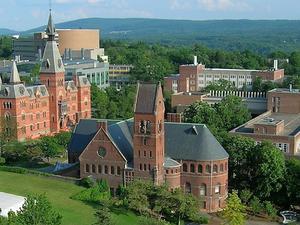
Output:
(102, 152)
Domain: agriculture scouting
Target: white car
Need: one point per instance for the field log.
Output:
(288, 216)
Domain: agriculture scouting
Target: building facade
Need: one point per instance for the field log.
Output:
(32, 47)
(279, 124)
(96, 72)
(119, 75)
(29, 112)
(195, 77)
(146, 147)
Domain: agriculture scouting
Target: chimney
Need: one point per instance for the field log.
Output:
(195, 60)
(275, 64)
(102, 124)
(291, 88)
(82, 53)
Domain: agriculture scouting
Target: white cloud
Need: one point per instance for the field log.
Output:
(179, 5)
(224, 5)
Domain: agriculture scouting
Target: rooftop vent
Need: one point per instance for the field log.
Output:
(195, 130)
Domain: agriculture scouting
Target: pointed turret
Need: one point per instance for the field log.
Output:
(52, 61)
(50, 30)
(14, 76)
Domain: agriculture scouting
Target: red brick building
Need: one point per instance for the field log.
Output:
(54, 105)
(195, 77)
(184, 155)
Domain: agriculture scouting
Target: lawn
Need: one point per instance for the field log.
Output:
(59, 192)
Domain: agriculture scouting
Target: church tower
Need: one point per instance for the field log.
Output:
(52, 74)
(148, 136)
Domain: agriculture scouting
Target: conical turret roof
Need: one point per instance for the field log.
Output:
(14, 76)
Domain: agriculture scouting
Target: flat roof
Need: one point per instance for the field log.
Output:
(10, 202)
(291, 123)
(286, 90)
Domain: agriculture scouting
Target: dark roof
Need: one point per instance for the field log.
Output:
(146, 97)
(183, 141)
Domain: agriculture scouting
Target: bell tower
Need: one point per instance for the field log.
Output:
(148, 136)
(52, 74)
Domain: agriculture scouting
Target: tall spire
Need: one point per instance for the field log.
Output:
(50, 30)
(14, 77)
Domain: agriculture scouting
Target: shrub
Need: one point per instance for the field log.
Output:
(151, 221)
(87, 182)
(270, 209)
(245, 196)
(2, 161)
(255, 205)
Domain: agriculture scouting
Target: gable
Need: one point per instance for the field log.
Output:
(100, 143)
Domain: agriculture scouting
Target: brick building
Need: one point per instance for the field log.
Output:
(54, 105)
(280, 124)
(195, 77)
(184, 155)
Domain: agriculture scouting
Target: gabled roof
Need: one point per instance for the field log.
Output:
(183, 141)
(146, 98)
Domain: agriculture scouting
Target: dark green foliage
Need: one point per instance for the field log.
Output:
(87, 182)
(2, 160)
(151, 221)
(221, 85)
(63, 138)
(269, 209)
(229, 113)
(245, 196)
(292, 182)
(5, 47)
(260, 86)
(103, 216)
(113, 104)
(50, 148)
(255, 205)
(36, 210)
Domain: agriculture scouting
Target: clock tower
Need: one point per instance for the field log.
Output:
(148, 136)
(52, 74)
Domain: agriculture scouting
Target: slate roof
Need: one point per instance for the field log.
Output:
(146, 97)
(183, 141)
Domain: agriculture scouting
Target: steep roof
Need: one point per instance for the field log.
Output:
(183, 141)
(52, 61)
(14, 77)
(146, 98)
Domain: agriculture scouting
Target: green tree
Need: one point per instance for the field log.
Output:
(233, 112)
(63, 138)
(268, 171)
(270, 209)
(234, 211)
(245, 196)
(36, 210)
(221, 85)
(50, 148)
(292, 181)
(100, 102)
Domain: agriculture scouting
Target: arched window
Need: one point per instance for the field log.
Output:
(218, 188)
(203, 190)
(184, 167)
(93, 169)
(106, 169)
(215, 168)
(87, 168)
(112, 170)
(222, 168)
(192, 168)
(7, 116)
(118, 170)
(99, 169)
(199, 168)
(188, 187)
(148, 127)
(207, 169)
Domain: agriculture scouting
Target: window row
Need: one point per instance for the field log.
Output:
(145, 154)
(7, 105)
(203, 189)
(102, 169)
(215, 169)
(145, 167)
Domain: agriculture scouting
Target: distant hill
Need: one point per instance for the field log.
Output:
(4, 31)
(261, 36)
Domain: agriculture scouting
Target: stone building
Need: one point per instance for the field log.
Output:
(28, 112)
(184, 155)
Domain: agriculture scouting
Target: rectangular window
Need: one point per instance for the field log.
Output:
(87, 168)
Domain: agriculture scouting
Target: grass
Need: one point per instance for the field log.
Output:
(59, 192)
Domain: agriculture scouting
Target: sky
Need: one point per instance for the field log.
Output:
(26, 14)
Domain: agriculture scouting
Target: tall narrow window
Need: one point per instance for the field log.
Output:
(192, 168)
(203, 190)
(93, 169)
(118, 170)
(208, 169)
(184, 167)
(87, 168)
(99, 169)
(112, 170)
(199, 168)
